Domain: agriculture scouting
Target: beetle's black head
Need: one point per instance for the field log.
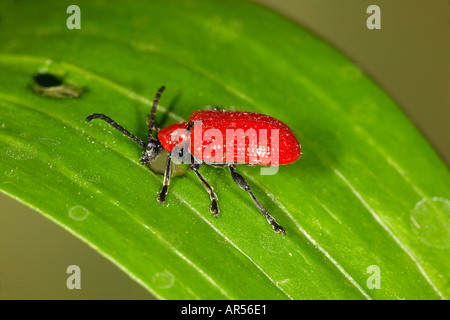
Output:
(151, 150)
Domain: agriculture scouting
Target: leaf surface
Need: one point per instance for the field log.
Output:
(367, 191)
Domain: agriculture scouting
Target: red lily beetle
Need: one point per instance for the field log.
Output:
(218, 137)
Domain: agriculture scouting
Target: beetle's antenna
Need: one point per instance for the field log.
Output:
(151, 122)
(115, 125)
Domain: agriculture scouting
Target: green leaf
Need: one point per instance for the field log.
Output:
(368, 190)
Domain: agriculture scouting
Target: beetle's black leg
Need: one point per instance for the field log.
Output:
(167, 173)
(214, 207)
(240, 181)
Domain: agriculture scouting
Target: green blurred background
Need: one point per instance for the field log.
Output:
(408, 58)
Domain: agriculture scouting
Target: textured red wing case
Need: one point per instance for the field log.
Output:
(242, 137)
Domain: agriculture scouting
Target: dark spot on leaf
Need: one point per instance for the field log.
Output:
(47, 80)
(49, 85)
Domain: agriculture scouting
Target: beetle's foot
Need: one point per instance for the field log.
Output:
(162, 195)
(214, 208)
(276, 227)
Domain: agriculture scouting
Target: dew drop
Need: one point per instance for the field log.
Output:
(163, 280)
(430, 220)
(78, 213)
(19, 154)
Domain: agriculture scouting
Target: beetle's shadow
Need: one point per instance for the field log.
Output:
(161, 121)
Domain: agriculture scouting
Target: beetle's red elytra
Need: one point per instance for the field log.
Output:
(218, 137)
